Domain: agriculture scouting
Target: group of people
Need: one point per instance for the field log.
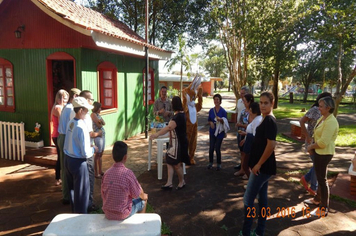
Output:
(123, 196)
(257, 140)
(80, 141)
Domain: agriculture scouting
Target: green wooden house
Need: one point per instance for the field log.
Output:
(47, 45)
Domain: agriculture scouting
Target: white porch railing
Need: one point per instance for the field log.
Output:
(12, 141)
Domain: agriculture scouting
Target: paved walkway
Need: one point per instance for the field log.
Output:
(211, 203)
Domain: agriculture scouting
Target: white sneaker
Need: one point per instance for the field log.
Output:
(311, 201)
(319, 212)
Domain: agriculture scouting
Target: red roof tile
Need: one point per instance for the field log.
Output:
(93, 20)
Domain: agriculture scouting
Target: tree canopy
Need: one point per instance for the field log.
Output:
(261, 40)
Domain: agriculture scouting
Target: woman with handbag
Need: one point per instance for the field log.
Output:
(216, 116)
(178, 148)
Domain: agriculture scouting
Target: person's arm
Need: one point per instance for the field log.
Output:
(102, 121)
(271, 144)
(85, 149)
(171, 125)
(199, 105)
(302, 122)
(210, 120)
(143, 195)
(57, 111)
(96, 120)
(93, 134)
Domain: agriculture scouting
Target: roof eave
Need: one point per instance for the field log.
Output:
(125, 46)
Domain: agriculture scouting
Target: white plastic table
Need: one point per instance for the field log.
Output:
(161, 140)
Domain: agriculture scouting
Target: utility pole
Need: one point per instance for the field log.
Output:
(147, 71)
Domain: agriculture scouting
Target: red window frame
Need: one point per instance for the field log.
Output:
(151, 87)
(108, 85)
(7, 90)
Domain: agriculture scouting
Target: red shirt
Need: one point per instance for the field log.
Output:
(54, 128)
(119, 186)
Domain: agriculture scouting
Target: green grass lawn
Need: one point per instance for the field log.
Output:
(346, 136)
(288, 110)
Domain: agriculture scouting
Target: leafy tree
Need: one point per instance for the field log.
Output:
(334, 24)
(215, 63)
(181, 57)
(310, 67)
(230, 21)
(274, 36)
(167, 18)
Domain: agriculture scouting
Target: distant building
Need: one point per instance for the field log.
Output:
(173, 81)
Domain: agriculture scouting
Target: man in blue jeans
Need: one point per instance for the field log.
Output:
(78, 149)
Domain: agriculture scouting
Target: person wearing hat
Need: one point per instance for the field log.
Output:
(62, 125)
(77, 149)
(88, 96)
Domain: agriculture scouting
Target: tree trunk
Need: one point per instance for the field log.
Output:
(275, 85)
(181, 81)
(339, 82)
(306, 86)
(338, 97)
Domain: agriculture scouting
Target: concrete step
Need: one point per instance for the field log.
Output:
(45, 156)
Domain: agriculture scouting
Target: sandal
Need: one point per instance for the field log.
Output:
(239, 173)
(98, 176)
(311, 201)
(244, 177)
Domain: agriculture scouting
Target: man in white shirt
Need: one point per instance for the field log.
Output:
(89, 123)
(77, 149)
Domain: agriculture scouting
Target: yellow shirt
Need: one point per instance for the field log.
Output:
(325, 133)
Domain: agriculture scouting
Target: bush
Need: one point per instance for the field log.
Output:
(171, 92)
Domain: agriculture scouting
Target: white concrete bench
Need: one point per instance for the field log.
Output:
(232, 116)
(295, 129)
(97, 224)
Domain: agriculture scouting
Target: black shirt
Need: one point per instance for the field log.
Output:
(266, 130)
